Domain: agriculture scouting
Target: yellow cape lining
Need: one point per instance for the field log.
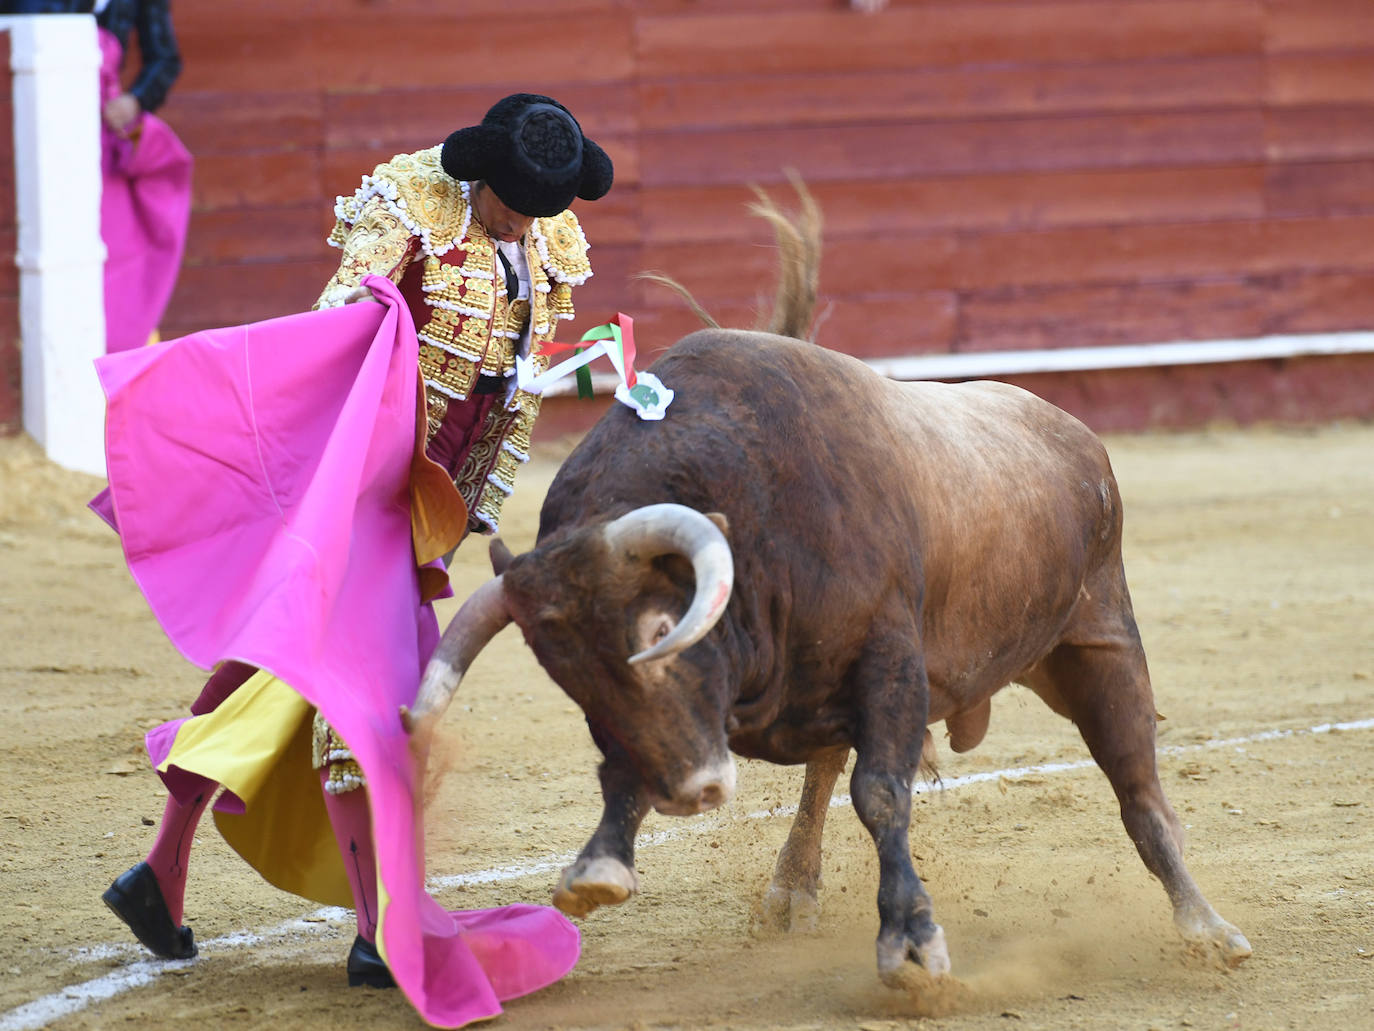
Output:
(257, 744)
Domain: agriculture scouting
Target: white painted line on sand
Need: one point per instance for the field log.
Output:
(43, 1011)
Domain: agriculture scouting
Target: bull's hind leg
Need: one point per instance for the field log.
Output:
(1104, 687)
(791, 902)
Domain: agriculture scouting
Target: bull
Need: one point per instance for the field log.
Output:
(805, 558)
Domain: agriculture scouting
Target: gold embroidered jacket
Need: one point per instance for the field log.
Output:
(410, 208)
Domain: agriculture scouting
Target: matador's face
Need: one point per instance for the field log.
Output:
(502, 223)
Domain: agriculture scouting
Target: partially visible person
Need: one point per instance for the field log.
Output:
(145, 204)
(344, 455)
(145, 201)
(160, 59)
(486, 256)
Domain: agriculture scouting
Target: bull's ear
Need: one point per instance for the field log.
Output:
(722, 524)
(500, 555)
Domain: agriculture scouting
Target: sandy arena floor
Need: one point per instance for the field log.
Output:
(1251, 558)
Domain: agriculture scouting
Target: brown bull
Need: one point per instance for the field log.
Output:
(805, 558)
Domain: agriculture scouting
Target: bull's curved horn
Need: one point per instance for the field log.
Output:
(677, 529)
(478, 620)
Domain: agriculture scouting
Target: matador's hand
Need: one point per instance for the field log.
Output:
(121, 112)
(360, 293)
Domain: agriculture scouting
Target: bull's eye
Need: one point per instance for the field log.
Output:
(651, 627)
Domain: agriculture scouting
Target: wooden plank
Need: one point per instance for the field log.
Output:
(1320, 133)
(911, 150)
(1328, 188)
(1297, 390)
(1002, 201)
(1162, 252)
(1032, 318)
(814, 98)
(246, 180)
(219, 122)
(614, 219)
(1067, 256)
(699, 44)
(1320, 25)
(269, 14)
(511, 10)
(791, 7)
(209, 296)
(403, 50)
(1322, 303)
(438, 48)
(11, 368)
(1311, 79)
(883, 326)
(9, 248)
(719, 276)
(231, 53)
(232, 235)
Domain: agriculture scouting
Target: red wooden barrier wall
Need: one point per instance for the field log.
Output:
(995, 174)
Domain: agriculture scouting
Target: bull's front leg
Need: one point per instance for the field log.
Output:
(907, 927)
(893, 703)
(604, 872)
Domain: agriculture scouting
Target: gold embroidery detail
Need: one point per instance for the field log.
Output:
(375, 244)
(327, 749)
(564, 248)
(560, 301)
(409, 205)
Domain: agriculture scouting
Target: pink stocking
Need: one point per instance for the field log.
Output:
(171, 852)
(351, 818)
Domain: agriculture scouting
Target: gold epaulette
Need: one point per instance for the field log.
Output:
(562, 248)
(423, 197)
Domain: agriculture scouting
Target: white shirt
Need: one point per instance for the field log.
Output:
(515, 254)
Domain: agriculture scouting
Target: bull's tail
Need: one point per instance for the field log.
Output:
(799, 260)
(799, 265)
(677, 288)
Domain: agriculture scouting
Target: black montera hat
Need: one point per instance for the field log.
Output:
(530, 150)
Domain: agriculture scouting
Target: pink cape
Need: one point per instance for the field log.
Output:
(259, 480)
(145, 204)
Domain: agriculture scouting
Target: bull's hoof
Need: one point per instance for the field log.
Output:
(896, 972)
(789, 909)
(922, 972)
(591, 883)
(1211, 937)
(1216, 940)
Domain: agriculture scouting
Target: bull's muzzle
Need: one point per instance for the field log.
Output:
(704, 790)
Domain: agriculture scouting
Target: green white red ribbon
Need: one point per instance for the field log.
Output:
(614, 339)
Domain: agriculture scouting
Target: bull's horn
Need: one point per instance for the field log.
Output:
(677, 529)
(477, 622)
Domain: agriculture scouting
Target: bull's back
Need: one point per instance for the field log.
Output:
(980, 503)
(995, 503)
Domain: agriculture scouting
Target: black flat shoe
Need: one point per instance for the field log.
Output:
(136, 899)
(365, 966)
